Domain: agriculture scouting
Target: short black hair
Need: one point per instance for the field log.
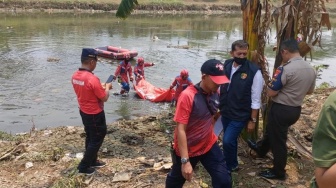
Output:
(239, 44)
(86, 60)
(290, 45)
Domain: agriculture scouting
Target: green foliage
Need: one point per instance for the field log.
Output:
(324, 85)
(10, 137)
(6, 136)
(319, 69)
(125, 8)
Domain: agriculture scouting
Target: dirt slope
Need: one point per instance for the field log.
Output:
(136, 152)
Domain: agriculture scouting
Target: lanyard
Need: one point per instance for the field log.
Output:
(201, 92)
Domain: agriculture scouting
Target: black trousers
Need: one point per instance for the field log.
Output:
(280, 118)
(95, 129)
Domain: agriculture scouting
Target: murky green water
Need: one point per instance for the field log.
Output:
(37, 92)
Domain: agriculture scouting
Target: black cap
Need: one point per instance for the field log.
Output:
(215, 69)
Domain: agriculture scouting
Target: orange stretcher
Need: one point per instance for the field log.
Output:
(145, 90)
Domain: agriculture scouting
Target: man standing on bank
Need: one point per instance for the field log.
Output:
(91, 95)
(194, 138)
(240, 100)
(291, 82)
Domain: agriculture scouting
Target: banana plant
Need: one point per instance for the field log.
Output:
(255, 27)
(300, 19)
(125, 8)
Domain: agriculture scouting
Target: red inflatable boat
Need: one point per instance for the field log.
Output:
(112, 52)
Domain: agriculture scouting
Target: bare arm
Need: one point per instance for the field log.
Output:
(187, 170)
(108, 86)
(325, 177)
(272, 93)
(182, 140)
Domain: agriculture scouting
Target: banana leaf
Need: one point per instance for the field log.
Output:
(125, 8)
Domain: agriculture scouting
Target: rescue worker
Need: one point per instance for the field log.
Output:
(123, 68)
(181, 82)
(139, 71)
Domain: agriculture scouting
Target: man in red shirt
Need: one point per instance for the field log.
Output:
(181, 82)
(91, 95)
(194, 138)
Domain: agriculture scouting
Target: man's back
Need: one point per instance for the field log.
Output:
(298, 79)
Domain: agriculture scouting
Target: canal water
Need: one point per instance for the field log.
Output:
(40, 51)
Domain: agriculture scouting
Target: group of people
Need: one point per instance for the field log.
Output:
(124, 73)
(233, 90)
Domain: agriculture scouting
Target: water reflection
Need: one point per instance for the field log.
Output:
(36, 91)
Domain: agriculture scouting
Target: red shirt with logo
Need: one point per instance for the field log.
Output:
(193, 111)
(89, 91)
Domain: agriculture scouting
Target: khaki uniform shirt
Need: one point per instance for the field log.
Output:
(293, 80)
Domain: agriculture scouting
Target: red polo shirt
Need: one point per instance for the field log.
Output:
(89, 91)
(192, 111)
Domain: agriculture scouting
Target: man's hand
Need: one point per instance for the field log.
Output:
(108, 86)
(215, 117)
(153, 64)
(250, 127)
(187, 171)
(103, 85)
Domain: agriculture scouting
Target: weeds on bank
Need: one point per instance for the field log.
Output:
(71, 178)
(319, 69)
(324, 85)
(9, 137)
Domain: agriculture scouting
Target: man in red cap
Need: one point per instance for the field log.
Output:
(139, 71)
(194, 138)
(181, 82)
(91, 95)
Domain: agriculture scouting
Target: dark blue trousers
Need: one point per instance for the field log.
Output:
(213, 162)
(95, 129)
